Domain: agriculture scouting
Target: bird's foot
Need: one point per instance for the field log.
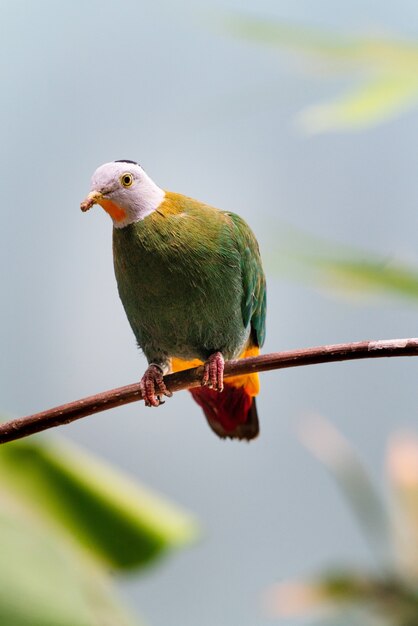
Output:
(152, 386)
(213, 375)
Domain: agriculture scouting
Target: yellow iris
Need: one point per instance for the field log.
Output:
(126, 179)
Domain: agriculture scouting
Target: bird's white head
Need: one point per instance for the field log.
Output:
(125, 191)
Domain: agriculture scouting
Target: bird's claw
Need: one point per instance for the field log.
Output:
(152, 386)
(213, 375)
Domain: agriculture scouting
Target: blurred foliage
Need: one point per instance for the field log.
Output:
(386, 69)
(370, 275)
(340, 268)
(66, 520)
(387, 595)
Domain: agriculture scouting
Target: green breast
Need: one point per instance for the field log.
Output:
(179, 279)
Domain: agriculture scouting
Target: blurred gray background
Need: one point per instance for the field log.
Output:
(212, 116)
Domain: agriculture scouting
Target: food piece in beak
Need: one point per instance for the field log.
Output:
(92, 198)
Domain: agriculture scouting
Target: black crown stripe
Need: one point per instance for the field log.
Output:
(126, 161)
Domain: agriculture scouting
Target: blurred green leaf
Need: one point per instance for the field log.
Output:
(387, 69)
(115, 520)
(373, 103)
(298, 39)
(45, 581)
(369, 275)
(338, 267)
(65, 518)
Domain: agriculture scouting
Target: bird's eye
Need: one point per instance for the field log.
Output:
(126, 179)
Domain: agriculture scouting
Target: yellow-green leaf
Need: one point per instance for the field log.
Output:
(339, 268)
(386, 69)
(374, 102)
(369, 275)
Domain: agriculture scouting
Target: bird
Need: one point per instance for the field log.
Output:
(191, 281)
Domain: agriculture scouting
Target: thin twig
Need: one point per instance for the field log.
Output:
(66, 413)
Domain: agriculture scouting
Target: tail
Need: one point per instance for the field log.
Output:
(233, 412)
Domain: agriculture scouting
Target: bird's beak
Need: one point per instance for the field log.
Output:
(93, 198)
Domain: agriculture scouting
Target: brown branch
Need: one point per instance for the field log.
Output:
(66, 413)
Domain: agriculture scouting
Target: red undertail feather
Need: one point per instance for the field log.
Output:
(232, 413)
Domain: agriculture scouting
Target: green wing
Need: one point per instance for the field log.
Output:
(253, 304)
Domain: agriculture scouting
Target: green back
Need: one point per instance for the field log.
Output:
(254, 302)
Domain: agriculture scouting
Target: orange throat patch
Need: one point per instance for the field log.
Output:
(115, 211)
